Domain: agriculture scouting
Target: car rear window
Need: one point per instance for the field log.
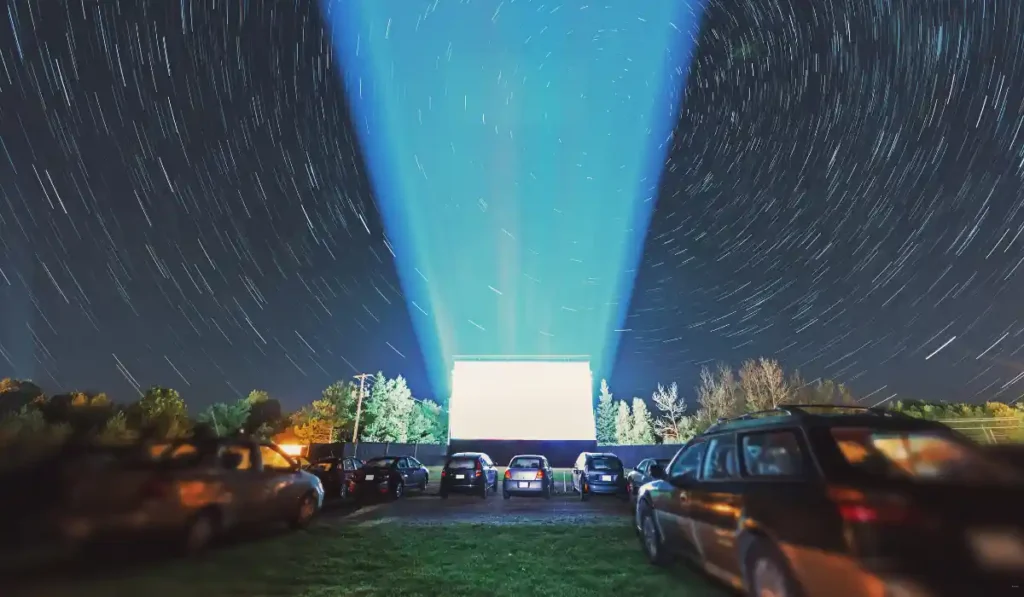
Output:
(525, 463)
(918, 455)
(462, 463)
(380, 462)
(605, 463)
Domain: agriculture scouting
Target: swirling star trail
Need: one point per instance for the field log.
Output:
(185, 202)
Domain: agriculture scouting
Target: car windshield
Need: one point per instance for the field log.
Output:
(525, 462)
(605, 463)
(462, 463)
(380, 462)
(917, 455)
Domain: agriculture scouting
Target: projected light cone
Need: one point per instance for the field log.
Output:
(515, 150)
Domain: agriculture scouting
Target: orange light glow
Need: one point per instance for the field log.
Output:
(293, 449)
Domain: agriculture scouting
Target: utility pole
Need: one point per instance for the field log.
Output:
(359, 410)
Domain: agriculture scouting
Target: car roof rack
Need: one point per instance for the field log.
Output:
(804, 410)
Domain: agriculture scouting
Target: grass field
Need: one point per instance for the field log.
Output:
(405, 561)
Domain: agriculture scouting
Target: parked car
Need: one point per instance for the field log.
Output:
(190, 494)
(839, 501)
(337, 474)
(640, 475)
(598, 473)
(528, 475)
(389, 476)
(469, 472)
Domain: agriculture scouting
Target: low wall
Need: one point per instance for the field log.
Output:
(436, 454)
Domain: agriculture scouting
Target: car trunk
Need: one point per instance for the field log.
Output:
(524, 474)
(967, 530)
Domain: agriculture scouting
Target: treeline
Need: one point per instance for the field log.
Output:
(759, 384)
(389, 414)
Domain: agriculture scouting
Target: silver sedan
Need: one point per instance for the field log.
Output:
(528, 475)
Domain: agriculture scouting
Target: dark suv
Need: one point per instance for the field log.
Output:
(840, 501)
(469, 472)
(598, 473)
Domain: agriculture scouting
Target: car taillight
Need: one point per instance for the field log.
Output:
(857, 507)
(155, 489)
(508, 474)
(540, 476)
(444, 473)
(479, 469)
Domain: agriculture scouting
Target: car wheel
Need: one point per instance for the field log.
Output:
(426, 479)
(343, 491)
(654, 546)
(199, 533)
(583, 491)
(398, 490)
(547, 492)
(483, 491)
(304, 513)
(767, 574)
(506, 495)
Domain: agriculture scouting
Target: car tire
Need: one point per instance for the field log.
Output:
(650, 538)
(583, 490)
(426, 480)
(398, 490)
(343, 492)
(199, 533)
(483, 491)
(304, 512)
(506, 495)
(766, 572)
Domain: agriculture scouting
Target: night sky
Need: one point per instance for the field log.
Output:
(186, 203)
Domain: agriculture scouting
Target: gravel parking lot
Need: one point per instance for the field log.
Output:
(429, 508)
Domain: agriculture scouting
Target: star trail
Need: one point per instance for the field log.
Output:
(185, 201)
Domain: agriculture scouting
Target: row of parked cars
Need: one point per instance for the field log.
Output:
(475, 473)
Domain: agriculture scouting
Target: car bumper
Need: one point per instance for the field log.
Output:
(605, 489)
(140, 522)
(513, 487)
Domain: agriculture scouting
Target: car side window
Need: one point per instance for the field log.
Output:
(414, 463)
(274, 460)
(403, 463)
(772, 454)
(643, 466)
(348, 465)
(720, 462)
(486, 459)
(687, 462)
(240, 454)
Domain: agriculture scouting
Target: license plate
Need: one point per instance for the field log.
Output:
(1001, 550)
(460, 476)
(606, 477)
(369, 477)
(524, 485)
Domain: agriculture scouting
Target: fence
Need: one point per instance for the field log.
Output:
(435, 454)
(428, 454)
(989, 430)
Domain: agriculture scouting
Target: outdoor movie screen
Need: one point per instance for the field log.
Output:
(521, 400)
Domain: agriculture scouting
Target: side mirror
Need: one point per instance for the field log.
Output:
(657, 471)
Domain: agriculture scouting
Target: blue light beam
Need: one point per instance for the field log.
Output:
(515, 150)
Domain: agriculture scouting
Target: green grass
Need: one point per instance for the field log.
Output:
(404, 561)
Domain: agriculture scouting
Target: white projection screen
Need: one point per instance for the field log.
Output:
(521, 400)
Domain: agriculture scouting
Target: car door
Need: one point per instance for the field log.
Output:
(418, 471)
(716, 501)
(492, 471)
(638, 476)
(280, 485)
(238, 466)
(577, 471)
(672, 504)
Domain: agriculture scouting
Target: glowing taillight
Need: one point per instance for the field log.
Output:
(508, 474)
(856, 507)
(540, 476)
(479, 469)
(444, 472)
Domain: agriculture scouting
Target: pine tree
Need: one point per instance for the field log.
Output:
(643, 426)
(623, 424)
(605, 416)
